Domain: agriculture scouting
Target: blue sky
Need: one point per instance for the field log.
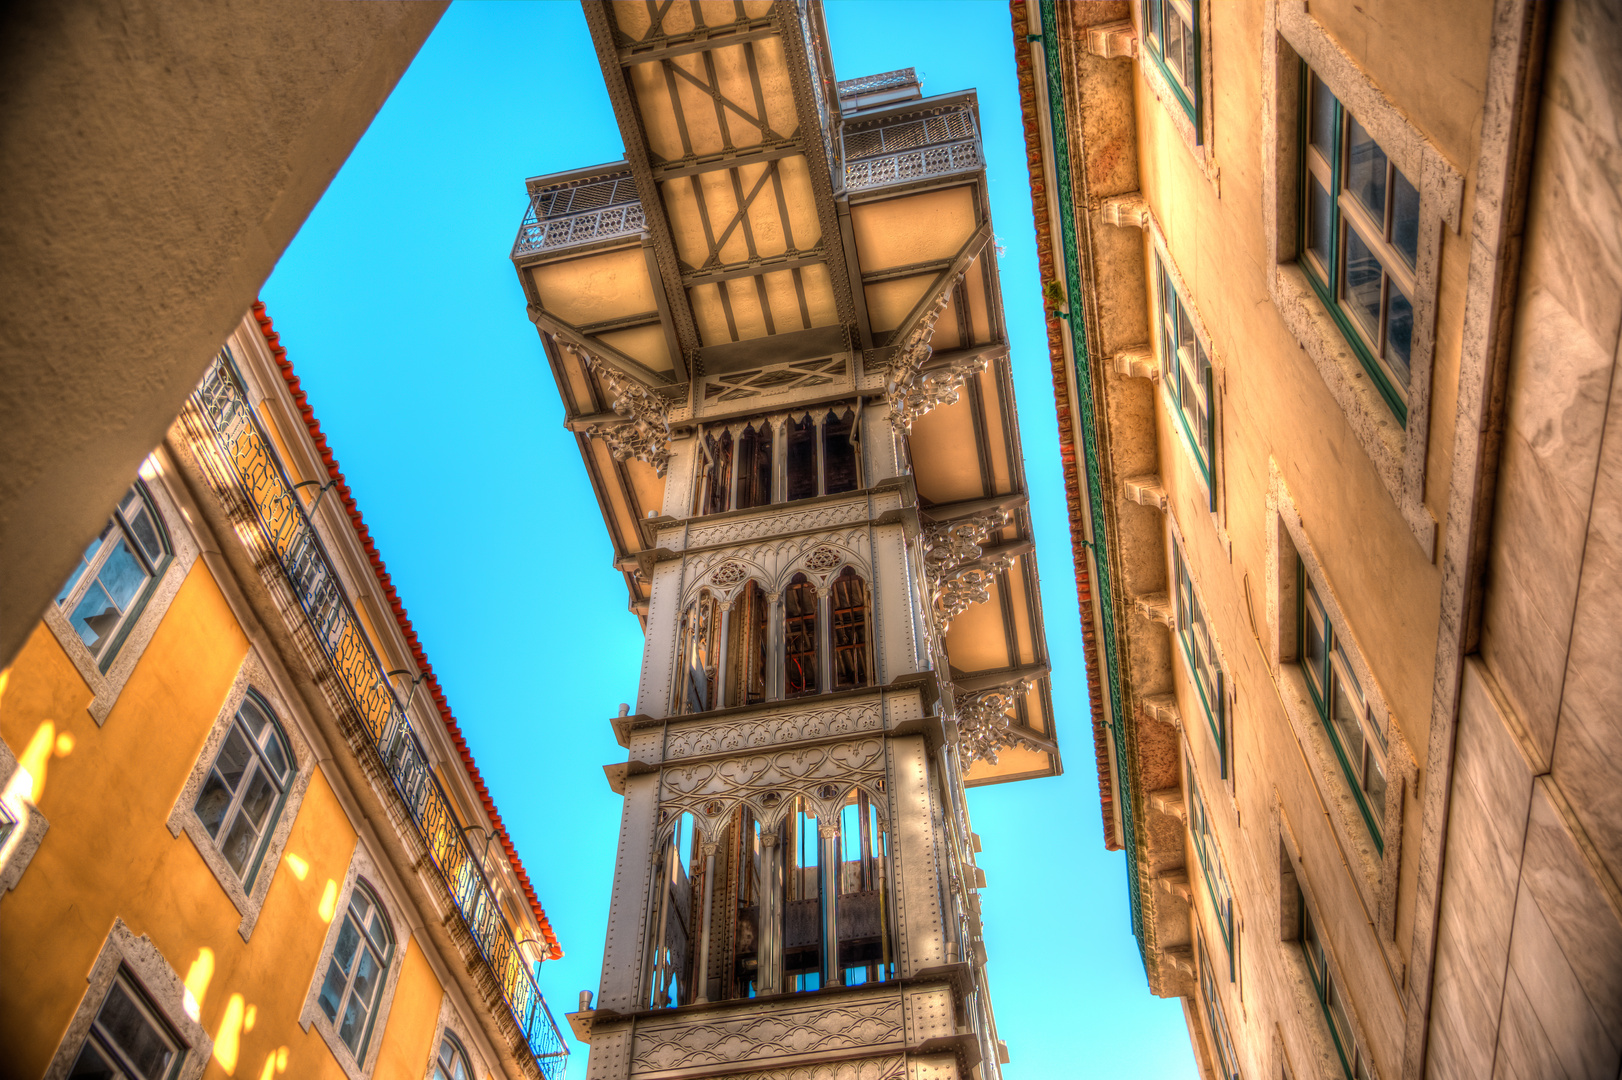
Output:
(405, 320)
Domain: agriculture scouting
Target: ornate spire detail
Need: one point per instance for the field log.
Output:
(959, 574)
(646, 437)
(984, 725)
(912, 391)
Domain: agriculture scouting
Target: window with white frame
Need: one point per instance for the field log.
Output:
(451, 1063)
(1185, 370)
(246, 789)
(1353, 1061)
(1210, 857)
(104, 595)
(1359, 740)
(357, 971)
(1360, 238)
(1199, 650)
(1216, 1022)
(1171, 38)
(128, 1038)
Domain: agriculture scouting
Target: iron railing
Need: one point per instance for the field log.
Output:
(936, 145)
(247, 464)
(580, 213)
(885, 80)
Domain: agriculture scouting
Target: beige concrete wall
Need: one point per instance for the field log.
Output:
(157, 158)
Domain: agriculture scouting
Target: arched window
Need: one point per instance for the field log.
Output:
(802, 458)
(866, 940)
(746, 646)
(677, 912)
(715, 495)
(700, 655)
(754, 466)
(799, 637)
(839, 471)
(451, 1061)
(115, 575)
(246, 789)
(848, 627)
(357, 970)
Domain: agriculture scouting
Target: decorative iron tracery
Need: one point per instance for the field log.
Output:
(959, 573)
(984, 725)
(646, 435)
(915, 389)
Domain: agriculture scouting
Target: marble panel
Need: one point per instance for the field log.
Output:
(1492, 789)
(1554, 1003)
(1576, 248)
(1586, 763)
(1581, 917)
(1523, 1051)
(1558, 384)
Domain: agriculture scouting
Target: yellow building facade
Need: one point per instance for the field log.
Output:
(1332, 309)
(240, 832)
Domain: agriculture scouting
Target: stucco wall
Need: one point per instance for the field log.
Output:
(157, 158)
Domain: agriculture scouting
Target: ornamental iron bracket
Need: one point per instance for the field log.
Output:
(646, 434)
(984, 726)
(955, 564)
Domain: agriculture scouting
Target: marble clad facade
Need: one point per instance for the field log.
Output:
(1352, 620)
(777, 331)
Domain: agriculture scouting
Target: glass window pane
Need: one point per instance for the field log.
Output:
(1174, 45)
(127, 1027)
(1365, 169)
(213, 803)
(1185, 326)
(1322, 120)
(332, 990)
(122, 575)
(251, 717)
(367, 974)
(234, 758)
(1346, 719)
(146, 534)
(1399, 335)
(239, 844)
(1337, 1013)
(1313, 646)
(343, 954)
(1404, 216)
(93, 1065)
(1154, 19)
(1374, 783)
(84, 562)
(95, 618)
(261, 796)
(1320, 222)
(277, 755)
(354, 1024)
(1360, 279)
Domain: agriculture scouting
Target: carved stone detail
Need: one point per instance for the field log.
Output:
(774, 730)
(984, 725)
(763, 781)
(646, 436)
(913, 391)
(959, 574)
(763, 1035)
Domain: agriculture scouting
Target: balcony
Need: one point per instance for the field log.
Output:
(580, 211)
(250, 480)
(919, 148)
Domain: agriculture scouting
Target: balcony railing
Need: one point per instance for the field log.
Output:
(247, 469)
(564, 217)
(912, 150)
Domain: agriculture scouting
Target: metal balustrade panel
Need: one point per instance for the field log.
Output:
(258, 475)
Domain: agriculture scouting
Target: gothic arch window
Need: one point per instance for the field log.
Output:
(747, 651)
(866, 937)
(357, 970)
(678, 907)
(700, 644)
(849, 627)
(800, 638)
(115, 577)
(801, 459)
(715, 490)
(246, 790)
(754, 466)
(839, 466)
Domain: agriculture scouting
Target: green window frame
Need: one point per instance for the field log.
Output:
(1215, 1021)
(8, 822)
(1199, 650)
(1359, 741)
(1359, 242)
(1215, 874)
(1171, 39)
(1331, 1000)
(1186, 372)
